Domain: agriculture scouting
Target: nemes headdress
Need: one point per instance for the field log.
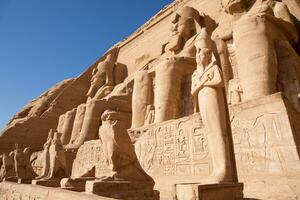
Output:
(187, 13)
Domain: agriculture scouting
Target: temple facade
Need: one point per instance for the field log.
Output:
(200, 103)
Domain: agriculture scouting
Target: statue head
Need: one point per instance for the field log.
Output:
(204, 46)
(185, 24)
(115, 117)
(234, 6)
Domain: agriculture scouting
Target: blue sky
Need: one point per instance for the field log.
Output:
(45, 41)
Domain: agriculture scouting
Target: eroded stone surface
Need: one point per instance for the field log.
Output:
(152, 82)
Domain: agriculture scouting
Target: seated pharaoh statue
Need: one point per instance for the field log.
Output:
(176, 62)
(81, 124)
(262, 33)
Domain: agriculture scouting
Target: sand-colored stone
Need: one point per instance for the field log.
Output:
(175, 63)
(118, 150)
(57, 164)
(67, 126)
(23, 168)
(80, 111)
(233, 191)
(254, 55)
(46, 155)
(105, 77)
(142, 98)
(122, 189)
(208, 88)
(7, 166)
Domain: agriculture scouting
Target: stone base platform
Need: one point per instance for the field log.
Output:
(224, 191)
(11, 179)
(13, 191)
(122, 189)
(47, 183)
(76, 184)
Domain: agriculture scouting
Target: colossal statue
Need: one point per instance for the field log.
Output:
(207, 88)
(87, 118)
(258, 31)
(176, 62)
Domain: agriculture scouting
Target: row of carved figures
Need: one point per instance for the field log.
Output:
(261, 34)
(17, 166)
(253, 51)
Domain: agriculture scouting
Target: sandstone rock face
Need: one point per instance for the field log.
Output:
(201, 102)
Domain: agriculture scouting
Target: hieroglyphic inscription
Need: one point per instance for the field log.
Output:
(259, 142)
(13, 194)
(173, 148)
(90, 155)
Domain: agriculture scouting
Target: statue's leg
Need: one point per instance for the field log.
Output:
(167, 92)
(68, 126)
(256, 56)
(141, 98)
(91, 122)
(78, 121)
(45, 165)
(212, 108)
(61, 122)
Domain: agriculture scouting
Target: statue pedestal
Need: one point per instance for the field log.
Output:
(11, 179)
(13, 191)
(18, 180)
(24, 181)
(47, 183)
(121, 189)
(224, 191)
(76, 184)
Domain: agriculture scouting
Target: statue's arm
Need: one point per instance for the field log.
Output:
(215, 78)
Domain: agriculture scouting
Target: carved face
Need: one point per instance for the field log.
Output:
(204, 56)
(185, 28)
(182, 30)
(233, 6)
